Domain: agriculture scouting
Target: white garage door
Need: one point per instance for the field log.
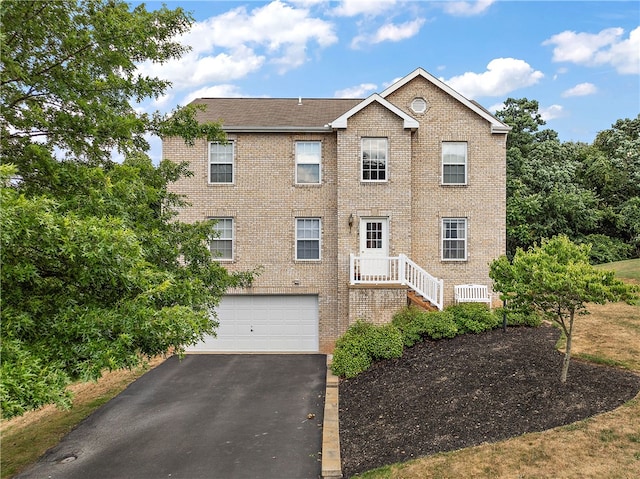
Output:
(285, 323)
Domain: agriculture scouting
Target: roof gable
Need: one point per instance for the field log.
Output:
(496, 125)
(341, 121)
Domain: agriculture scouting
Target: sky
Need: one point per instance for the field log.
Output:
(579, 59)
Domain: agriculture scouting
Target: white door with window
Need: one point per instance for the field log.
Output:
(374, 247)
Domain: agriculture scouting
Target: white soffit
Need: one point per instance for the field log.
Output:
(341, 122)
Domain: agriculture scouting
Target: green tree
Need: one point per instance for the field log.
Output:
(96, 272)
(557, 280)
(587, 192)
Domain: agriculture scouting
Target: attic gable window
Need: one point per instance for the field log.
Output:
(221, 159)
(419, 105)
(374, 159)
(308, 157)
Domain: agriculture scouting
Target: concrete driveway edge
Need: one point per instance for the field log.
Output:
(331, 462)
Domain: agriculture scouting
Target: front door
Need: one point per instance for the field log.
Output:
(374, 247)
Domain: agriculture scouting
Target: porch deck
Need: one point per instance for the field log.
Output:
(396, 270)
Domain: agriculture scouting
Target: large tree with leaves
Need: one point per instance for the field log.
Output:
(587, 192)
(96, 272)
(556, 279)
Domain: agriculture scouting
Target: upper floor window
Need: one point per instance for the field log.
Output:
(221, 157)
(308, 238)
(454, 163)
(221, 245)
(308, 154)
(374, 159)
(454, 239)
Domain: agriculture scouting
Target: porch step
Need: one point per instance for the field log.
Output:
(420, 302)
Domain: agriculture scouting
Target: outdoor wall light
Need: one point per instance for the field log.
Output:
(350, 221)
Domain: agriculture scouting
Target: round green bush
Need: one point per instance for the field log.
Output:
(473, 317)
(385, 342)
(362, 344)
(409, 321)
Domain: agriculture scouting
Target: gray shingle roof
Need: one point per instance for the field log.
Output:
(274, 112)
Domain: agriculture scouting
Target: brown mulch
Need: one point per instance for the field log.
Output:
(451, 394)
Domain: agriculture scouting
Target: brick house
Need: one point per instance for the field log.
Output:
(348, 205)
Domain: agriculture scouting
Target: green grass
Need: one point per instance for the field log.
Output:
(626, 270)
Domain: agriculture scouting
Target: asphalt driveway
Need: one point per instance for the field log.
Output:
(207, 416)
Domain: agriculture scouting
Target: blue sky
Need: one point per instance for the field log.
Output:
(580, 60)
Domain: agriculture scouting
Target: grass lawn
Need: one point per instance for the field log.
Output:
(628, 270)
(607, 445)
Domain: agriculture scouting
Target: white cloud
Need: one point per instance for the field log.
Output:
(352, 8)
(358, 91)
(467, 9)
(503, 76)
(193, 70)
(395, 33)
(608, 47)
(272, 26)
(390, 32)
(217, 91)
(385, 85)
(496, 107)
(582, 89)
(551, 112)
(163, 100)
(239, 42)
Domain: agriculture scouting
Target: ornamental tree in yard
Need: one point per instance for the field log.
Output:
(96, 272)
(557, 280)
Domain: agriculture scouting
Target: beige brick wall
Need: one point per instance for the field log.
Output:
(375, 304)
(264, 201)
(482, 201)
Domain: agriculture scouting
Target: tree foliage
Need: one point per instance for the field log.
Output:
(587, 192)
(556, 279)
(96, 271)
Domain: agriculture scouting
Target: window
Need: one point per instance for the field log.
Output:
(419, 105)
(374, 234)
(308, 162)
(221, 244)
(454, 163)
(221, 162)
(374, 159)
(307, 238)
(454, 238)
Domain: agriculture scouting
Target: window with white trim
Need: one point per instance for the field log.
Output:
(308, 155)
(454, 163)
(221, 245)
(374, 159)
(221, 159)
(454, 239)
(307, 238)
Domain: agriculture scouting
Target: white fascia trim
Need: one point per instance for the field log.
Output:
(409, 122)
(496, 125)
(277, 129)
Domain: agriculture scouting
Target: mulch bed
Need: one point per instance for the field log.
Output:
(450, 394)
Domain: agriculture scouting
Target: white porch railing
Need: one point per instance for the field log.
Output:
(396, 270)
